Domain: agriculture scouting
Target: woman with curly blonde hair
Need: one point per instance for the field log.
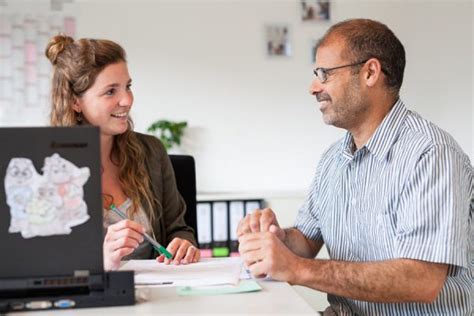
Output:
(91, 85)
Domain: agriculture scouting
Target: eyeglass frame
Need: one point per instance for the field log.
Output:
(325, 71)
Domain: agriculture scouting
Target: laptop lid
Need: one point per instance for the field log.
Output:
(50, 201)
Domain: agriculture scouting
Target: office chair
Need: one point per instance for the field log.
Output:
(185, 174)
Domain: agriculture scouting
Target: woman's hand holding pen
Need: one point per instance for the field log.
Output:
(183, 252)
(122, 239)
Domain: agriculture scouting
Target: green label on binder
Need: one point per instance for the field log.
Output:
(220, 252)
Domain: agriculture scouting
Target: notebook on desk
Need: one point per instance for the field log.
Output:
(51, 230)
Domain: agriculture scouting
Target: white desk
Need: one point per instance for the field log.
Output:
(274, 298)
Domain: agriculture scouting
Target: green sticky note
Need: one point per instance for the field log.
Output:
(242, 287)
(220, 252)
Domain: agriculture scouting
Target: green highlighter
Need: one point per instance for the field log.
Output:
(158, 247)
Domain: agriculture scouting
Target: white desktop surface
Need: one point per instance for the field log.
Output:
(274, 298)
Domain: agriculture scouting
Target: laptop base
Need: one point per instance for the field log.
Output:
(114, 288)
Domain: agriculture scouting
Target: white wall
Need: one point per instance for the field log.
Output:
(253, 125)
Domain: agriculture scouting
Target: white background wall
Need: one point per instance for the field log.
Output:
(253, 127)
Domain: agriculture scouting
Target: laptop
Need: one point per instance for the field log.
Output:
(51, 229)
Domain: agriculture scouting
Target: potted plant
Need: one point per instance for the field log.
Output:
(169, 132)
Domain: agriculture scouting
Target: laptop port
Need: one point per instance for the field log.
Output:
(38, 305)
(16, 306)
(64, 304)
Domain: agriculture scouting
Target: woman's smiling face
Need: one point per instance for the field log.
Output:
(108, 101)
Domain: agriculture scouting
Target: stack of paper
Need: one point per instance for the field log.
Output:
(208, 271)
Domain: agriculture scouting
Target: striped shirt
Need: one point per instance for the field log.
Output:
(406, 194)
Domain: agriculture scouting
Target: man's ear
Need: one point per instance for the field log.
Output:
(373, 72)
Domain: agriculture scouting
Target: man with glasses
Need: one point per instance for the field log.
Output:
(391, 200)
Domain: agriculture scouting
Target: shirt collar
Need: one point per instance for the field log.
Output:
(347, 146)
(385, 135)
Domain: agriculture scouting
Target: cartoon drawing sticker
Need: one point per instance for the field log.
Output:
(69, 180)
(20, 180)
(43, 213)
(48, 204)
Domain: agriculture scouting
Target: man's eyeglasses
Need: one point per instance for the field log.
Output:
(323, 73)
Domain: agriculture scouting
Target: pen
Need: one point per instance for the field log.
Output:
(154, 243)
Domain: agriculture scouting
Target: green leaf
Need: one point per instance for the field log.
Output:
(169, 132)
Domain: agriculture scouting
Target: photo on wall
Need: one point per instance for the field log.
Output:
(315, 10)
(278, 40)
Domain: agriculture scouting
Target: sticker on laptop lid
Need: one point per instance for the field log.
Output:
(48, 204)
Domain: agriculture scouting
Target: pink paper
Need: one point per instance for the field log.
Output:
(70, 26)
(30, 52)
(31, 74)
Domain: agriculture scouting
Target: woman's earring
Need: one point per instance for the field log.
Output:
(79, 117)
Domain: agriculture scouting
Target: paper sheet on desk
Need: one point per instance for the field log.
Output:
(244, 286)
(208, 271)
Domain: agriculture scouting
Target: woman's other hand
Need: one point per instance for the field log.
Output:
(183, 251)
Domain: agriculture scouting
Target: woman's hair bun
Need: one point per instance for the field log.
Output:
(56, 46)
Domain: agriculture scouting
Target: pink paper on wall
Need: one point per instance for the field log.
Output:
(30, 53)
(31, 74)
(70, 26)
